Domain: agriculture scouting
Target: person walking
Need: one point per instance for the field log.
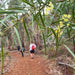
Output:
(18, 47)
(22, 50)
(32, 49)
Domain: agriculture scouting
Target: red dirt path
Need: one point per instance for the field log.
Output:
(26, 66)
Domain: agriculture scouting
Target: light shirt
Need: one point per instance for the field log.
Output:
(31, 46)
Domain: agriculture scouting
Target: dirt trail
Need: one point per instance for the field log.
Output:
(26, 66)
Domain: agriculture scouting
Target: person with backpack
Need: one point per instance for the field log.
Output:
(18, 47)
(32, 49)
(23, 49)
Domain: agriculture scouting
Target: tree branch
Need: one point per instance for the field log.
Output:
(65, 64)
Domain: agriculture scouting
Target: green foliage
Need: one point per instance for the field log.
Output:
(16, 4)
(3, 4)
(14, 41)
(11, 11)
(17, 34)
(44, 41)
(70, 51)
(41, 19)
(45, 23)
(28, 3)
(2, 54)
(26, 30)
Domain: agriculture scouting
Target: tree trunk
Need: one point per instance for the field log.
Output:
(2, 54)
(74, 44)
(9, 41)
(74, 47)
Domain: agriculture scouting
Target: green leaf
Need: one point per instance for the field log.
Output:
(58, 7)
(57, 43)
(32, 23)
(53, 32)
(3, 3)
(11, 11)
(27, 3)
(49, 35)
(57, 35)
(6, 18)
(13, 16)
(44, 42)
(70, 51)
(18, 37)
(39, 1)
(68, 32)
(42, 19)
(2, 23)
(61, 36)
(14, 41)
(73, 27)
(26, 30)
(2, 54)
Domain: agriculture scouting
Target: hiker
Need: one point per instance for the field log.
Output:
(18, 47)
(23, 49)
(32, 49)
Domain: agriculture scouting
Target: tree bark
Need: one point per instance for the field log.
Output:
(74, 47)
(71, 66)
(74, 44)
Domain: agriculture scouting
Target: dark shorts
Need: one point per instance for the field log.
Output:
(18, 48)
(32, 51)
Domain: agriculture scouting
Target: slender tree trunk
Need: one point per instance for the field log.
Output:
(38, 40)
(8, 44)
(2, 54)
(74, 44)
(9, 41)
(74, 47)
(37, 37)
(44, 42)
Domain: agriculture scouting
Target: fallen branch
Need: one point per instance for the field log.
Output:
(65, 64)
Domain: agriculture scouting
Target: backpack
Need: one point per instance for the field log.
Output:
(33, 47)
(23, 49)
